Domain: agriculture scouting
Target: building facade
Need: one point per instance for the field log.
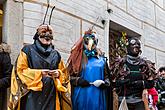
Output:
(141, 18)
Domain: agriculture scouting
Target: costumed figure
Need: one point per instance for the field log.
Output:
(89, 74)
(160, 86)
(5, 74)
(152, 98)
(131, 76)
(39, 77)
(151, 94)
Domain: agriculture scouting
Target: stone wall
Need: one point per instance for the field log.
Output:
(13, 26)
(69, 20)
(72, 17)
(146, 18)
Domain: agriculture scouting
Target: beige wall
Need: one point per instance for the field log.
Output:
(13, 26)
(145, 17)
(72, 17)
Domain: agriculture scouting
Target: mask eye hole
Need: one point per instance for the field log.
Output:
(86, 40)
(95, 42)
(92, 36)
(138, 43)
(132, 41)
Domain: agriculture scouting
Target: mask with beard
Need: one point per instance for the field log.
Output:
(134, 47)
(44, 31)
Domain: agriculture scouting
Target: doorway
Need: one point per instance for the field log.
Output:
(118, 36)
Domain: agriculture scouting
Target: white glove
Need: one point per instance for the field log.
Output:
(97, 83)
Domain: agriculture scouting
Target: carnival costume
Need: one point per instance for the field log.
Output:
(29, 89)
(130, 76)
(160, 86)
(5, 73)
(89, 74)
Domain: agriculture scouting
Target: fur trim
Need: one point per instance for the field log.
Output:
(5, 48)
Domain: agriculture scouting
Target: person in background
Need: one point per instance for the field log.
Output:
(152, 92)
(160, 86)
(152, 98)
(34, 85)
(5, 74)
(89, 74)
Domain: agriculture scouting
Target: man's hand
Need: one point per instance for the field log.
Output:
(54, 73)
(97, 83)
(82, 82)
(105, 85)
(50, 73)
(45, 74)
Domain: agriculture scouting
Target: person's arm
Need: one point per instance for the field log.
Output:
(6, 71)
(106, 77)
(30, 77)
(145, 84)
(64, 75)
(78, 81)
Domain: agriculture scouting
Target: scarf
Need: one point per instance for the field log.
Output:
(133, 60)
(43, 49)
(91, 53)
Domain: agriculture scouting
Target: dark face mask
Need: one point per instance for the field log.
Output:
(134, 47)
(47, 36)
